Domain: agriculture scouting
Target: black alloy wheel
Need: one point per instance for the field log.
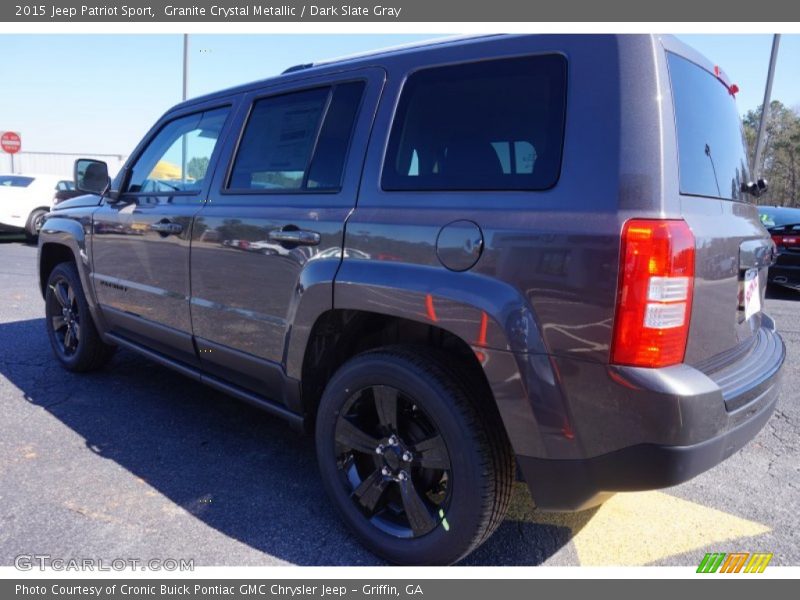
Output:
(392, 457)
(413, 454)
(64, 316)
(73, 336)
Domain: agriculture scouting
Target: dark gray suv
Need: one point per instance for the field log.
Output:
(446, 261)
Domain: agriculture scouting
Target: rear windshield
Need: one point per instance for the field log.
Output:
(711, 153)
(15, 181)
(777, 217)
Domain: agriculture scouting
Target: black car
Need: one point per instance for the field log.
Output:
(783, 224)
(65, 190)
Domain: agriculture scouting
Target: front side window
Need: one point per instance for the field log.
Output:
(489, 125)
(297, 141)
(177, 159)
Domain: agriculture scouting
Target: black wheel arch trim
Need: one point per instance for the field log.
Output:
(69, 232)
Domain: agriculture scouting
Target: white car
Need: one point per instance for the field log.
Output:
(25, 200)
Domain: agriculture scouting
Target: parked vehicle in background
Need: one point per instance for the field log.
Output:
(783, 224)
(65, 189)
(532, 251)
(25, 200)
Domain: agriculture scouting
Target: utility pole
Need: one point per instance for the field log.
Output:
(185, 88)
(185, 65)
(762, 126)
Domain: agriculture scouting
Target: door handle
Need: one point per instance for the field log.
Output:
(166, 227)
(299, 237)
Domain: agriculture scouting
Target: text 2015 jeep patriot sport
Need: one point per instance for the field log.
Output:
(446, 260)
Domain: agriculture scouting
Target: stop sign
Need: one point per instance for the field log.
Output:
(10, 142)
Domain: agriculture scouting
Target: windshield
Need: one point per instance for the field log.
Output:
(15, 181)
(776, 216)
(711, 153)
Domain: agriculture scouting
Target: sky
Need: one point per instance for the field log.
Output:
(100, 93)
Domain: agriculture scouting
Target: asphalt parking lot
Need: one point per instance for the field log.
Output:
(136, 461)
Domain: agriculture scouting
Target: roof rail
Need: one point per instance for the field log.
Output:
(296, 68)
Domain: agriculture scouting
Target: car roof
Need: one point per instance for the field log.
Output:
(302, 71)
(364, 59)
(396, 49)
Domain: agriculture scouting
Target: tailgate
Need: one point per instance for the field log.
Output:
(730, 242)
(733, 250)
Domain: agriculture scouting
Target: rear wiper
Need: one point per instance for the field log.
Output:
(713, 168)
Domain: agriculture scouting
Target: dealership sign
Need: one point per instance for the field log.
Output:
(10, 142)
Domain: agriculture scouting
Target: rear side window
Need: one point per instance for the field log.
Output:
(489, 125)
(298, 141)
(327, 165)
(711, 154)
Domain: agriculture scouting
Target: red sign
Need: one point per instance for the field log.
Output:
(10, 142)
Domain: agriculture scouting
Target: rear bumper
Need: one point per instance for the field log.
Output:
(11, 226)
(13, 218)
(654, 428)
(580, 484)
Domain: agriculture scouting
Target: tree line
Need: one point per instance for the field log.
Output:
(780, 160)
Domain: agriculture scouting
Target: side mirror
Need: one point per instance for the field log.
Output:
(91, 176)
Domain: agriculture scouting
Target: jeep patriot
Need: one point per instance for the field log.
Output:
(453, 263)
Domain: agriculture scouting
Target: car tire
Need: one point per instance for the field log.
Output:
(448, 495)
(70, 327)
(35, 220)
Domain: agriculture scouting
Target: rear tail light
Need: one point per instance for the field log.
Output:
(654, 300)
(787, 241)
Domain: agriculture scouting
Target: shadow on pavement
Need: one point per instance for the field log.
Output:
(779, 292)
(193, 445)
(7, 238)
